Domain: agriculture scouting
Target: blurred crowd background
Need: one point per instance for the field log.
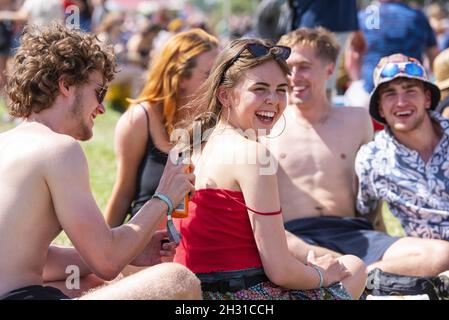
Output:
(138, 28)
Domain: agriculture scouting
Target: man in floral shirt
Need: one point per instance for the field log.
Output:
(407, 164)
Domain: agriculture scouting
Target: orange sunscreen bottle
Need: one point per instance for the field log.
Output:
(182, 210)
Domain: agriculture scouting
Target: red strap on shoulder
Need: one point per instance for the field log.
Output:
(258, 212)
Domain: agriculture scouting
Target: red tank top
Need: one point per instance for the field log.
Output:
(217, 234)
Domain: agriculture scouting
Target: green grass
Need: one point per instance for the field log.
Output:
(102, 167)
(392, 224)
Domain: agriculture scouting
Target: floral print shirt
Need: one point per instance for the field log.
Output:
(417, 193)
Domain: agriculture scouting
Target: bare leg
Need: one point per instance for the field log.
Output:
(415, 257)
(164, 281)
(355, 283)
(130, 269)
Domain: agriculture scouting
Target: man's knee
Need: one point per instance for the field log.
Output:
(184, 282)
(439, 255)
(432, 255)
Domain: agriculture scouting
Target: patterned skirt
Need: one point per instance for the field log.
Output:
(269, 291)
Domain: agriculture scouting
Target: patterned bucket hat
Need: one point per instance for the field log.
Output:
(399, 66)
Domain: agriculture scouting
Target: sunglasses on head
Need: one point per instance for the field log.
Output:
(101, 93)
(392, 69)
(259, 50)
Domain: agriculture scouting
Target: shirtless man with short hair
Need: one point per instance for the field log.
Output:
(317, 180)
(59, 82)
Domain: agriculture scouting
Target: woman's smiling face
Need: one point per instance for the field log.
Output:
(258, 99)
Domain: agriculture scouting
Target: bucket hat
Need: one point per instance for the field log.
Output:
(399, 66)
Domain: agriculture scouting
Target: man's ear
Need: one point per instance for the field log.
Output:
(223, 96)
(64, 88)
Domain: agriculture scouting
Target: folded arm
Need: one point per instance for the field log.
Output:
(58, 259)
(282, 268)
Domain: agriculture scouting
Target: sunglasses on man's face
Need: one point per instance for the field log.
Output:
(100, 93)
(392, 69)
(259, 50)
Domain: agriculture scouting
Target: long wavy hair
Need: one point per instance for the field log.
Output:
(206, 108)
(46, 55)
(173, 63)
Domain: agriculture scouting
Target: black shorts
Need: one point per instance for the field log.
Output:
(346, 235)
(35, 292)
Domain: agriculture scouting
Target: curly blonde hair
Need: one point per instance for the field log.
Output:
(45, 56)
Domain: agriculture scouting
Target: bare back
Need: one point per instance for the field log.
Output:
(28, 222)
(316, 162)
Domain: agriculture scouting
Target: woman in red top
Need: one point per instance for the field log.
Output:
(234, 239)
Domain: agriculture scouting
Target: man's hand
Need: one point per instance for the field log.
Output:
(176, 180)
(155, 250)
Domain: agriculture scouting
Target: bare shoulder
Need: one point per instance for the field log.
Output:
(55, 146)
(134, 117)
(41, 148)
(353, 118)
(63, 148)
(234, 149)
(249, 145)
(64, 162)
(38, 137)
(352, 114)
(254, 156)
(257, 172)
(131, 131)
(353, 122)
(231, 161)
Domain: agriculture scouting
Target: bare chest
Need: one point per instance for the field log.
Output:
(329, 150)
